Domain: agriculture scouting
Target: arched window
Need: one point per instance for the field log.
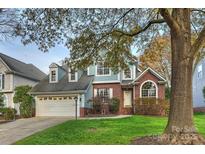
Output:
(149, 89)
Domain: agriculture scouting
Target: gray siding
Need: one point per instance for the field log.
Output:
(80, 72)
(198, 85)
(112, 77)
(20, 81)
(61, 73)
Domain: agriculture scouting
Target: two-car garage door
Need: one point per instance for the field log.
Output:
(55, 106)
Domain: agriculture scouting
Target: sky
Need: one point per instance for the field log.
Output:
(31, 54)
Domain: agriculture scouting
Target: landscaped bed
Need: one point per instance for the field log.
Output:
(105, 131)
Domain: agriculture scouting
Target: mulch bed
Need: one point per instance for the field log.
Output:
(193, 139)
(101, 115)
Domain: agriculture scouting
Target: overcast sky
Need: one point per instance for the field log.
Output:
(30, 53)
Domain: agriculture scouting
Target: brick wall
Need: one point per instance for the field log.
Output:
(117, 91)
(149, 76)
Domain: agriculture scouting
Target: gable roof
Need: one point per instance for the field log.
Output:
(17, 67)
(153, 72)
(44, 86)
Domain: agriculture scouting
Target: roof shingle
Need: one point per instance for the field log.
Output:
(22, 69)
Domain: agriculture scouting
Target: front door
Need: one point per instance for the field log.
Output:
(127, 98)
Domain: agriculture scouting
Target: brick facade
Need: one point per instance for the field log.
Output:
(84, 112)
(118, 91)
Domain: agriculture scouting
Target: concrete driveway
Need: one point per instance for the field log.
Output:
(21, 128)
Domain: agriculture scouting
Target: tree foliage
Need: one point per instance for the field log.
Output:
(158, 57)
(88, 32)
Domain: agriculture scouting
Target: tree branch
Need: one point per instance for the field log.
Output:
(197, 10)
(198, 42)
(159, 21)
(121, 18)
(169, 20)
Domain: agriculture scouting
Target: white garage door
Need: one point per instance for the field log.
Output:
(55, 106)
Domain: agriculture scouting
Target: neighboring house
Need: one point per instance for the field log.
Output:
(15, 73)
(56, 94)
(198, 84)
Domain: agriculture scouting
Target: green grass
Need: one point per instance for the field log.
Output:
(107, 131)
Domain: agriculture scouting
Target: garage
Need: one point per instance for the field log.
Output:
(55, 106)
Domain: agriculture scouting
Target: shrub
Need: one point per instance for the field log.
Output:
(114, 105)
(8, 113)
(25, 100)
(107, 106)
(97, 101)
(26, 109)
(152, 106)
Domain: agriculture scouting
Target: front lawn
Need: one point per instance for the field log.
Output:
(107, 131)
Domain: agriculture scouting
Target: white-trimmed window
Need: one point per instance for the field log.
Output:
(73, 75)
(53, 76)
(199, 71)
(127, 74)
(102, 69)
(148, 89)
(104, 93)
(1, 81)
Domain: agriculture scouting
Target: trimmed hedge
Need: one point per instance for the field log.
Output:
(152, 106)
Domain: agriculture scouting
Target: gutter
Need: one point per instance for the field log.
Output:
(58, 92)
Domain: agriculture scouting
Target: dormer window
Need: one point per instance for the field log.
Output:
(73, 75)
(102, 70)
(127, 74)
(53, 75)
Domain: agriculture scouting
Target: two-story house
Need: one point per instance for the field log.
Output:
(15, 73)
(56, 94)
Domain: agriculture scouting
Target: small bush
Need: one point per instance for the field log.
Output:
(97, 101)
(8, 113)
(114, 105)
(108, 106)
(152, 106)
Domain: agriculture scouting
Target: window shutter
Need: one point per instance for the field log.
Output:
(111, 92)
(3, 81)
(95, 92)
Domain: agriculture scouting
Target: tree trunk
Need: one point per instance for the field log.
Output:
(181, 107)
